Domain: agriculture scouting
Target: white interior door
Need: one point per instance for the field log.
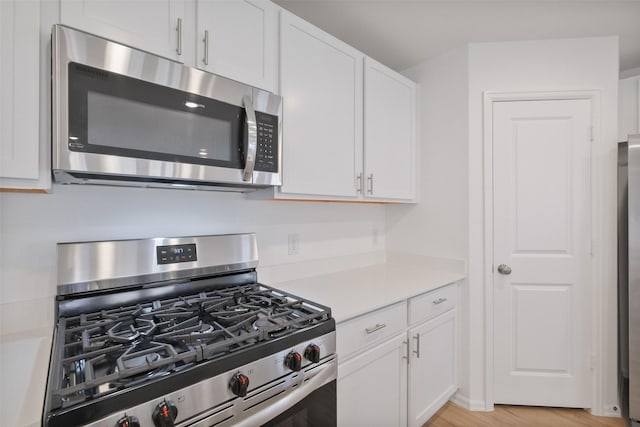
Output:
(541, 223)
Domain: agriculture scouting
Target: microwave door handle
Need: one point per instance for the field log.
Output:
(252, 147)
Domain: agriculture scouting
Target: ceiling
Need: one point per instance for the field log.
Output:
(402, 33)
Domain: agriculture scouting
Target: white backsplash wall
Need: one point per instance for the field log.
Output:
(32, 224)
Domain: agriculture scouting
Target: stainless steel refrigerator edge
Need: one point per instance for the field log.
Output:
(629, 278)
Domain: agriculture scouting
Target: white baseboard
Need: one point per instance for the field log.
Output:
(607, 411)
(472, 405)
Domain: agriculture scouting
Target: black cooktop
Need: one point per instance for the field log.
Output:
(108, 350)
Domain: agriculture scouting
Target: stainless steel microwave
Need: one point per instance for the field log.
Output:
(122, 116)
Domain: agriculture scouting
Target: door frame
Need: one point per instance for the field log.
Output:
(595, 294)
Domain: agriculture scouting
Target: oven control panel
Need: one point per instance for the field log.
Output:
(172, 254)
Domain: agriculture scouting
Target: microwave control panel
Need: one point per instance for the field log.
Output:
(267, 151)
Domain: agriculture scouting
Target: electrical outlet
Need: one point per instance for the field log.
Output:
(294, 244)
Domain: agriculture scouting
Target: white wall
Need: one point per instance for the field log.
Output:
(573, 64)
(32, 224)
(628, 107)
(437, 226)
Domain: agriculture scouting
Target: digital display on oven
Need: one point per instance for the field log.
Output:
(176, 253)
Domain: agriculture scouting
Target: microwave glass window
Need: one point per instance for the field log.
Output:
(115, 114)
(125, 124)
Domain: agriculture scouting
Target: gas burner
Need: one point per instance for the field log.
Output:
(271, 325)
(123, 333)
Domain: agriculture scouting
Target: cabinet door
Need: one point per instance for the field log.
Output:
(372, 387)
(433, 367)
(321, 83)
(19, 91)
(240, 40)
(390, 155)
(151, 25)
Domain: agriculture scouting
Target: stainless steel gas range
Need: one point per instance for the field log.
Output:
(177, 331)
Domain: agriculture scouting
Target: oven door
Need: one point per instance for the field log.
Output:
(299, 399)
(318, 409)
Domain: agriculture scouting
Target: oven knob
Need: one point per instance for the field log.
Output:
(128, 421)
(293, 361)
(312, 353)
(165, 414)
(239, 384)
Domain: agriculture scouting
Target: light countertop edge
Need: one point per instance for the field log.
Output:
(352, 293)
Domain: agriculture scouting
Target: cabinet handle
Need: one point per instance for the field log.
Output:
(359, 183)
(407, 356)
(179, 30)
(370, 179)
(206, 47)
(417, 350)
(439, 301)
(375, 328)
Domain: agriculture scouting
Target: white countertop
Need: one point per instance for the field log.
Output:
(24, 364)
(354, 292)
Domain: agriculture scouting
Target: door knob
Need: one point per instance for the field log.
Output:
(504, 269)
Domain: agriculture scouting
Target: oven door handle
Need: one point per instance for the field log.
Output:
(252, 146)
(280, 405)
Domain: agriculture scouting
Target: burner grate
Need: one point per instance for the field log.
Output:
(116, 348)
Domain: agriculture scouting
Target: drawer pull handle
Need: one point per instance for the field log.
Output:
(375, 328)
(439, 301)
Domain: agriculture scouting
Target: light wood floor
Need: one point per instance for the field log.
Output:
(452, 415)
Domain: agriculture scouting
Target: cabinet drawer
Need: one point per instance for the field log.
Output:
(432, 303)
(356, 334)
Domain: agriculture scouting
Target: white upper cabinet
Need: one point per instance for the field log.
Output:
(321, 84)
(19, 95)
(350, 123)
(238, 39)
(389, 133)
(156, 26)
(628, 107)
(233, 38)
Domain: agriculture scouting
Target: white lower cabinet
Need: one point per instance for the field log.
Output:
(372, 387)
(398, 365)
(432, 367)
